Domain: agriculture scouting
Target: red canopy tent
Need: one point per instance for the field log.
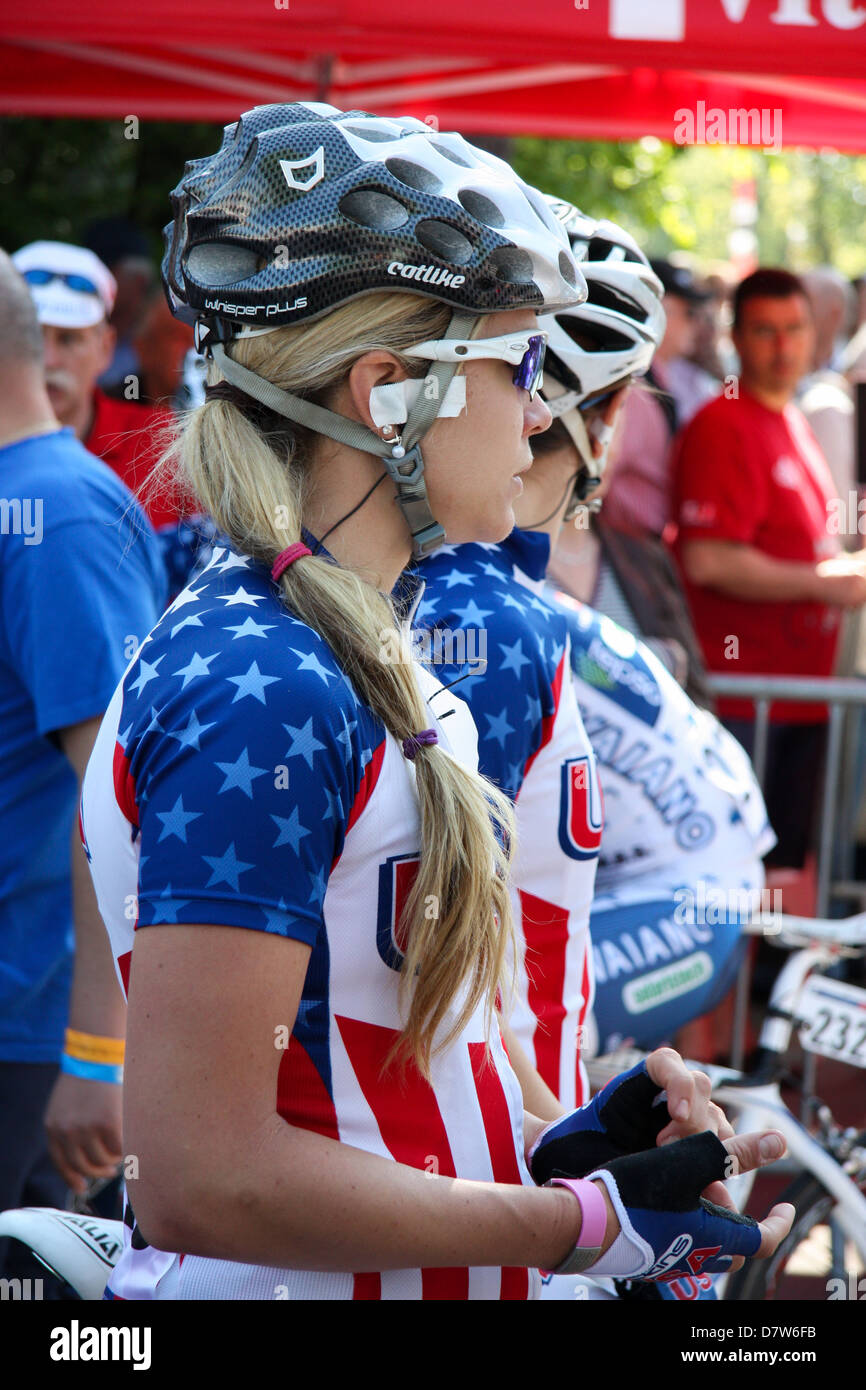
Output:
(614, 69)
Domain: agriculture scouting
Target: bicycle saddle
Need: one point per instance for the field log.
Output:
(83, 1250)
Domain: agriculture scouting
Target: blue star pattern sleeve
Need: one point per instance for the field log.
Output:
(499, 644)
(242, 749)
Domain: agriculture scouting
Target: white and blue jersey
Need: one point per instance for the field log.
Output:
(238, 779)
(678, 787)
(483, 627)
(685, 830)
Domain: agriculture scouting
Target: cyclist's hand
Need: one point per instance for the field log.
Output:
(688, 1098)
(665, 1226)
(83, 1123)
(627, 1116)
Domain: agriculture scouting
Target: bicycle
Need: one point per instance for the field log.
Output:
(825, 1012)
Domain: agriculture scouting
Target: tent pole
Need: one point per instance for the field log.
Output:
(324, 77)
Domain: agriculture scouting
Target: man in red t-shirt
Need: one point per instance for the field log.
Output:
(74, 294)
(762, 568)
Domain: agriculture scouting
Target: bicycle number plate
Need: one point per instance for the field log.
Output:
(833, 1020)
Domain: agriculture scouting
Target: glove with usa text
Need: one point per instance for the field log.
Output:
(666, 1226)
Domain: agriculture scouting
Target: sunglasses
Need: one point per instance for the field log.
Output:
(75, 282)
(525, 351)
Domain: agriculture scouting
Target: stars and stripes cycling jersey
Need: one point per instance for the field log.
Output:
(238, 779)
(483, 625)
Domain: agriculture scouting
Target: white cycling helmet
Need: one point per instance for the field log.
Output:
(611, 337)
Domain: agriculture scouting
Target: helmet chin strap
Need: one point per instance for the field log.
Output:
(401, 456)
(563, 405)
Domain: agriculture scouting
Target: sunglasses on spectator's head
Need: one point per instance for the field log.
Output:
(75, 282)
(524, 350)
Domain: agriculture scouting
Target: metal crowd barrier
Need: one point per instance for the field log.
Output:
(840, 696)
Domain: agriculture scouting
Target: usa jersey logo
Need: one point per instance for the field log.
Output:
(396, 877)
(581, 812)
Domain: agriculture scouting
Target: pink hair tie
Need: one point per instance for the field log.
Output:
(288, 557)
(425, 739)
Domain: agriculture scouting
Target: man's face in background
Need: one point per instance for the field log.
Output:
(74, 359)
(679, 339)
(775, 340)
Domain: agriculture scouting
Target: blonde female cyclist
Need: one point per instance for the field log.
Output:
(303, 877)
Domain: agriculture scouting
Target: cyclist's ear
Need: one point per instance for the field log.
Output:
(377, 368)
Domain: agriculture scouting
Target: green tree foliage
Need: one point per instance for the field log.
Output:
(57, 176)
(810, 204)
(619, 180)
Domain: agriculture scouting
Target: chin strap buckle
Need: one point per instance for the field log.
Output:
(210, 330)
(407, 472)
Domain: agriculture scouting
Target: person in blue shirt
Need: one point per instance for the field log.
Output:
(81, 583)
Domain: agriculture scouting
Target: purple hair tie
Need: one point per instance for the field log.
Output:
(425, 739)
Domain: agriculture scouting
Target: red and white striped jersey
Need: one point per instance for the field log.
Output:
(483, 625)
(238, 779)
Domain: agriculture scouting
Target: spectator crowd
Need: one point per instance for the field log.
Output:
(725, 537)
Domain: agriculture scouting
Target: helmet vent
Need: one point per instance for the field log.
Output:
(483, 209)
(375, 134)
(413, 175)
(594, 337)
(600, 249)
(607, 298)
(218, 263)
(450, 154)
(444, 241)
(541, 207)
(513, 265)
(566, 269)
(369, 208)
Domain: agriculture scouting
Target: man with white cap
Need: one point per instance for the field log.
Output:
(74, 295)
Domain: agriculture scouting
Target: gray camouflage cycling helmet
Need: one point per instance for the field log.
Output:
(305, 207)
(608, 339)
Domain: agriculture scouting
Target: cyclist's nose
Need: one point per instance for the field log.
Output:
(537, 416)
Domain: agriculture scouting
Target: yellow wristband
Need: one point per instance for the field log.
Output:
(86, 1047)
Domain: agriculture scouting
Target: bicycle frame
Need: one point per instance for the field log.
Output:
(762, 1107)
(758, 1107)
(754, 1106)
